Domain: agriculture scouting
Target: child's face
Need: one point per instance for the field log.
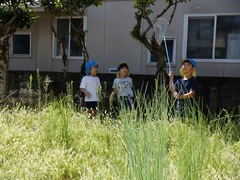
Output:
(93, 71)
(123, 72)
(187, 67)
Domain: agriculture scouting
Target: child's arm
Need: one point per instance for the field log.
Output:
(114, 91)
(171, 75)
(191, 94)
(85, 92)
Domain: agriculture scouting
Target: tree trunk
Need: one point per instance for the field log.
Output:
(64, 58)
(161, 66)
(85, 53)
(161, 63)
(4, 61)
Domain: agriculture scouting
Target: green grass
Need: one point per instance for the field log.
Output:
(60, 142)
(56, 143)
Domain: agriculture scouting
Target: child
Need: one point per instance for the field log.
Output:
(122, 87)
(90, 86)
(184, 90)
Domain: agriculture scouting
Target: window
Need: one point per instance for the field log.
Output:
(65, 30)
(21, 44)
(213, 37)
(171, 47)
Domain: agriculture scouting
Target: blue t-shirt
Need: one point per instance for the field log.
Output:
(183, 86)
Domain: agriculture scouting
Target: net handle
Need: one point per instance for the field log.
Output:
(160, 25)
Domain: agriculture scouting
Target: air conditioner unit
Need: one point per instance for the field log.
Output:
(112, 70)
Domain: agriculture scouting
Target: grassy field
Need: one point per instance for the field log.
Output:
(59, 141)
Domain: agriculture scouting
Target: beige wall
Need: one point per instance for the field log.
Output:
(109, 40)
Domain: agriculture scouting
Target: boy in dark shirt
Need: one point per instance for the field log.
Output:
(185, 88)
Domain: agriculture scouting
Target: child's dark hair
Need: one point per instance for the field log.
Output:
(122, 65)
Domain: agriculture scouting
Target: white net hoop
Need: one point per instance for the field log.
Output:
(159, 28)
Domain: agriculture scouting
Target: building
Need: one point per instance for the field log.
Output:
(201, 29)
(206, 30)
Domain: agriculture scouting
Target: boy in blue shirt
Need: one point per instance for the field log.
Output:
(185, 88)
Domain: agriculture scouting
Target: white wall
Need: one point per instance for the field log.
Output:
(109, 40)
(115, 21)
(113, 26)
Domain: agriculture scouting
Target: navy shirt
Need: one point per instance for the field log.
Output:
(182, 87)
(185, 86)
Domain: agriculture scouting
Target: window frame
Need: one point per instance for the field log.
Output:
(173, 63)
(54, 45)
(12, 44)
(185, 36)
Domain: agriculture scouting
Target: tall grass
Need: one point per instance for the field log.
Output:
(57, 127)
(59, 141)
(145, 136)
(163, 146)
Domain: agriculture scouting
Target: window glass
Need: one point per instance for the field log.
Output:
(21, 44)
(213, 37)
(227, 37)
(75, 49)
(63, 33)
(200, 37)
(68, 32)
(170, 49)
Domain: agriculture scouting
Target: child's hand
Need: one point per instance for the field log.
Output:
(175, 95)
(170, 74)
(87, 94)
